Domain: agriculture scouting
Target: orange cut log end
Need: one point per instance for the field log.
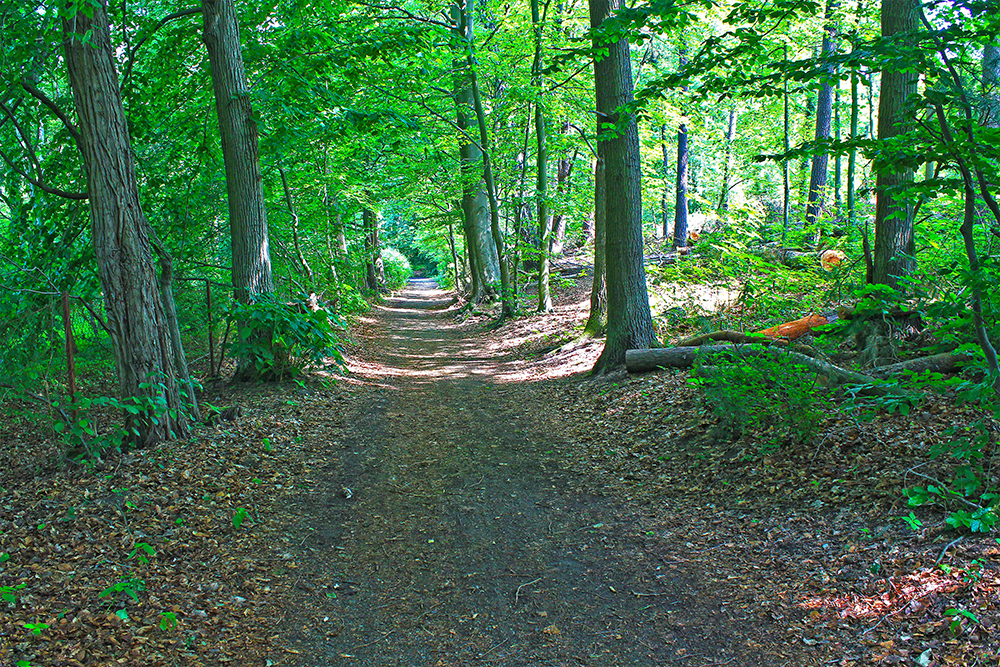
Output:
(794, 329)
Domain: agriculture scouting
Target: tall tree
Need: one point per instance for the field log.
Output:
(630, 324)
(484, 264)
(681, 201)
(727, 164)
(541, 167)
(597, 321)
(122, 235)
(240, 151)
(893, 213)
(824, 116)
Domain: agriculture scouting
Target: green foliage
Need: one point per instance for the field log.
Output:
(130, 587)
(770, 394)
(143, 552)
(168, 621)
(36, 628)
(397, 268)
(350, 301)
(7, 593)
(280, 340)
(957, 617)
(239, 516)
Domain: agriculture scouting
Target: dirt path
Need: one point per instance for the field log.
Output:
(448, 532)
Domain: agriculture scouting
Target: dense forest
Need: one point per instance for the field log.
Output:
(792, 201)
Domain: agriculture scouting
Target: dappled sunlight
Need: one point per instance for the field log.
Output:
(906, 594)
(426, 344)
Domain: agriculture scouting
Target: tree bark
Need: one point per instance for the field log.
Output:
(508, 307)
(785, 175)
(824, 109)
(639, 361)
(240, 151)
(296, 241)
(681, 200)
(541, 168)
(893, 213)
(122, 236)
(483, 260)
(564, 169)
(665, 198)
(727, 164)
(630, 324)
(597, 322)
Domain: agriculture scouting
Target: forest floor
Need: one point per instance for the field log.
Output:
(467, 496)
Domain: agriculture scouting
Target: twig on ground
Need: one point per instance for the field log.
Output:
(517, 594)
(946, 547)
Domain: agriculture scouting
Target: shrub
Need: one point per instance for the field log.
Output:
(277, 340)
(397, 268)
(769, 393)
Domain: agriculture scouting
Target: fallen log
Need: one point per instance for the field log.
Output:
(947, 362)
(639, 361)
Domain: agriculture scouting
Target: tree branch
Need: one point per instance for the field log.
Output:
(24, 139)
(44, 99)
(166, 19)
(79, 196)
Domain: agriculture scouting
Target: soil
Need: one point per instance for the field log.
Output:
(468, 495)
(463, 539)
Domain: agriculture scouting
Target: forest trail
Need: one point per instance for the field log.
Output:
(447, 532)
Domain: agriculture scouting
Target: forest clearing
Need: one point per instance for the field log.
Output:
(508, 333)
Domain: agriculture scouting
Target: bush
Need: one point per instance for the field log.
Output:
(770, 394)
(277, 340)
(397, 268)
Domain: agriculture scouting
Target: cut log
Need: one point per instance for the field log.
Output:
(639, 361)
(797, 328)
(788, 331)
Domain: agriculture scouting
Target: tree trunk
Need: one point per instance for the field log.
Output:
(597, 322)
(122, 236)
(564, 170)
(727, 164)
(630, 324)
(852, 157)
(990, 108)
(893, 213)
(665, 198)
(240, 152)
(681, 201)
(483, 260)
(508, 307)
(296, 241)
(824, 110)
(785, 175)
(374, 267)
(541, 168)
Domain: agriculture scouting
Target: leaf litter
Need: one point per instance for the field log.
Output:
(799, 552)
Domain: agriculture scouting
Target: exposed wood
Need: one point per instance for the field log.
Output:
(796, 328)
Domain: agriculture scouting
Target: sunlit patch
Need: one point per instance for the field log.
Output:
(423, 344)
(905, 595)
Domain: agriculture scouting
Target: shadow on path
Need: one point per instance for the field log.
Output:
(463, 541)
